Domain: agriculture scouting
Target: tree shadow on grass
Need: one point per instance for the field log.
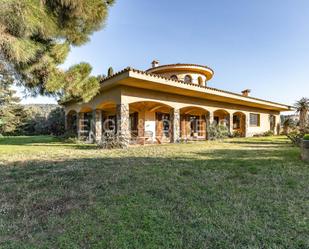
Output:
(245, 142)
(38, 141)
(28, 140)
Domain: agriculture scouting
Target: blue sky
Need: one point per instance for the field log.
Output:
(262, 45)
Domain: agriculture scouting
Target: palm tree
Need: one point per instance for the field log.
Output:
(302, 108)
(288, 124)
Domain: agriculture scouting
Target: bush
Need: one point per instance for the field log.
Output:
(110, 140)
(218, 132)
(295, 137)
(306, 137)
(236, 134)
(268, 134)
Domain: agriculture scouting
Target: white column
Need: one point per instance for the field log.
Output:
(231, 124)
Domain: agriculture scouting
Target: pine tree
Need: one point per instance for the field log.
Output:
(11, 112)
(36, 37)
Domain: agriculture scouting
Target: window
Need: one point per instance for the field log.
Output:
(174, 77)
(188, 79)
(200, 81)
(254, 119)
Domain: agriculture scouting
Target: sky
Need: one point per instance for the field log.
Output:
(261, 45)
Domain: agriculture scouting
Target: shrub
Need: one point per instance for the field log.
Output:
(236, 134)
(295, 137)
(268, 134)
(218, 132)
(69, 134)
(110, 140)
(306, 137)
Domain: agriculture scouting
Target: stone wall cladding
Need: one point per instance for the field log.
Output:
(123, 119)
(175, 125)
(97, 124)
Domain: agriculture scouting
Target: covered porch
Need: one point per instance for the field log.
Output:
(149, 122)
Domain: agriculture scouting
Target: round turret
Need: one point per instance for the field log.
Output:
(188, 73)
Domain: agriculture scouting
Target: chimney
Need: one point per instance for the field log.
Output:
(155, 63)
(246, 92)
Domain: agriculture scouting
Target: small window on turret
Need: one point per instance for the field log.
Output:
(188, 79)
(174, 77)
(200, 81)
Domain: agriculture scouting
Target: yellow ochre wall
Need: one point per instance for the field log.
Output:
(129, 95)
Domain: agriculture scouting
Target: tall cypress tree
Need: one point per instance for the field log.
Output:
(36, 37)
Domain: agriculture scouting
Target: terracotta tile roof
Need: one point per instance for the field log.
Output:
(157, 76)
(192, 84)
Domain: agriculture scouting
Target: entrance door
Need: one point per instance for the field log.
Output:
(134, 124)
(272, 122)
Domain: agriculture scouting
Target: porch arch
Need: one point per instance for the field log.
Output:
(85, 109)
(239, 123)
(150, 121)
(222, 117)
(85, 123)
(193, 122)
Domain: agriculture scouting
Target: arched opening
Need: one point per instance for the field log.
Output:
(222, 117)
(150, 122)
(239, 124)
(108, 117)
(193, 123)
(200, 81)
(85, 123)
(174, 77)
(188, 79)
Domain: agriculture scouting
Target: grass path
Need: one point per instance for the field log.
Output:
(241, 193)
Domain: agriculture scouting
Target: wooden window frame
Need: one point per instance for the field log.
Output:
(258, 120)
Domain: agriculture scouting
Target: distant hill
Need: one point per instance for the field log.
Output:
(41, 109)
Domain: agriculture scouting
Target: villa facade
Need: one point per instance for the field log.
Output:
(168, 103)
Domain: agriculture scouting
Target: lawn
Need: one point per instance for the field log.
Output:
(241, 193)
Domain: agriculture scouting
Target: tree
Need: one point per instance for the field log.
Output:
(302, 107)
(11, 112)
(36, 37)
(110, 72)
(288, 124)
(55, 122)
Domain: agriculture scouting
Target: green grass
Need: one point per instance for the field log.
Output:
(241, 193)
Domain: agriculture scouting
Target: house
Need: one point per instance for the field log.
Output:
(167, 103)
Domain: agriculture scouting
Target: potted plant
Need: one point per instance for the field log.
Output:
(305, 148)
